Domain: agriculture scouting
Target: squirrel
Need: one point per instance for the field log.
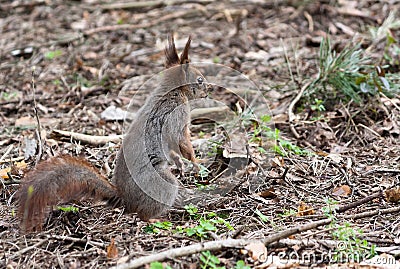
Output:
(142, 181)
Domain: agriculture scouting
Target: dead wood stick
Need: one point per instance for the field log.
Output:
(144, 4)
(216, 114)
(373, 213)
(89, 139)
(216, 245)
(77, 240)
(359, 202)
(24, 250)
(133, 5)
(9, 149)
(291, 108)
(382, 170)
(38, 126)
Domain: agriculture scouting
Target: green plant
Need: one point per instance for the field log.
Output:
(215, 147)
(8, 96)
(261, 131)
(203, 172)
(351, 247)
(208, 222)
(50, 55)
(330, 209)
(192, 210)
(241, 265)
(154, 228)
(201, 229)
(201, 134)
(262, 216)
(68, 209)
(216, 60)
(209, 261)
(159, 265)
(384, 32)
(349, 74)
(318, 105)
(288, 213)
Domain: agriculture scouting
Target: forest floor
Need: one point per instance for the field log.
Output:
(328, 191)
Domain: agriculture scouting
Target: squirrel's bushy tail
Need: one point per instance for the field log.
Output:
(57, 180)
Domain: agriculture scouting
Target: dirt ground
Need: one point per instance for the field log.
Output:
(81, 54)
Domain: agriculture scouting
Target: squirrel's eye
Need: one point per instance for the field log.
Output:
(200, 80)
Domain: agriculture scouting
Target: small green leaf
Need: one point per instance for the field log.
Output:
(156, 265)
(68, 209)
(261, 216)
(241, 265)
(50, 55)
(265, 118)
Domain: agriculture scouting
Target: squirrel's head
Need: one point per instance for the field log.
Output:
(189, 78)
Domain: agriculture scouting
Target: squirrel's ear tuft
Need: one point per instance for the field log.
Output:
(171, 56)
(185, 54)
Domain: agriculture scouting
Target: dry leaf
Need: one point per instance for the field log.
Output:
(343, 190)
(4, 171)
(235, 147)
(112, 250)
(25, 121)
(257, 251)
(335, 157)
(270, 193)
(278, 161)
(18, 165)
(392, 195)
(305, 210)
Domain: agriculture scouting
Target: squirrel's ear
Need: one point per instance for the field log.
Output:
(171, 56)
(185, 54)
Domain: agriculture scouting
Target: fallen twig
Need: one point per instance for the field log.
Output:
(38, 127)
(291, 107)
(89, 139)
(373, 213)
(359, 202)
(24, 250)
(6, 153)
(382, 170)
(148, 4)
(77, 240)
(216, 245)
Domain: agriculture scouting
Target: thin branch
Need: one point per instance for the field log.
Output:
(359, 202)
(89, 139)
(77, 240)
(217, 245)
(35, 109)
(6, 153)
(24, 250)
(373, 213)
(291, 108)
(382, 170)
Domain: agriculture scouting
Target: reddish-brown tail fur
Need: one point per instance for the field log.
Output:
(57, 180)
